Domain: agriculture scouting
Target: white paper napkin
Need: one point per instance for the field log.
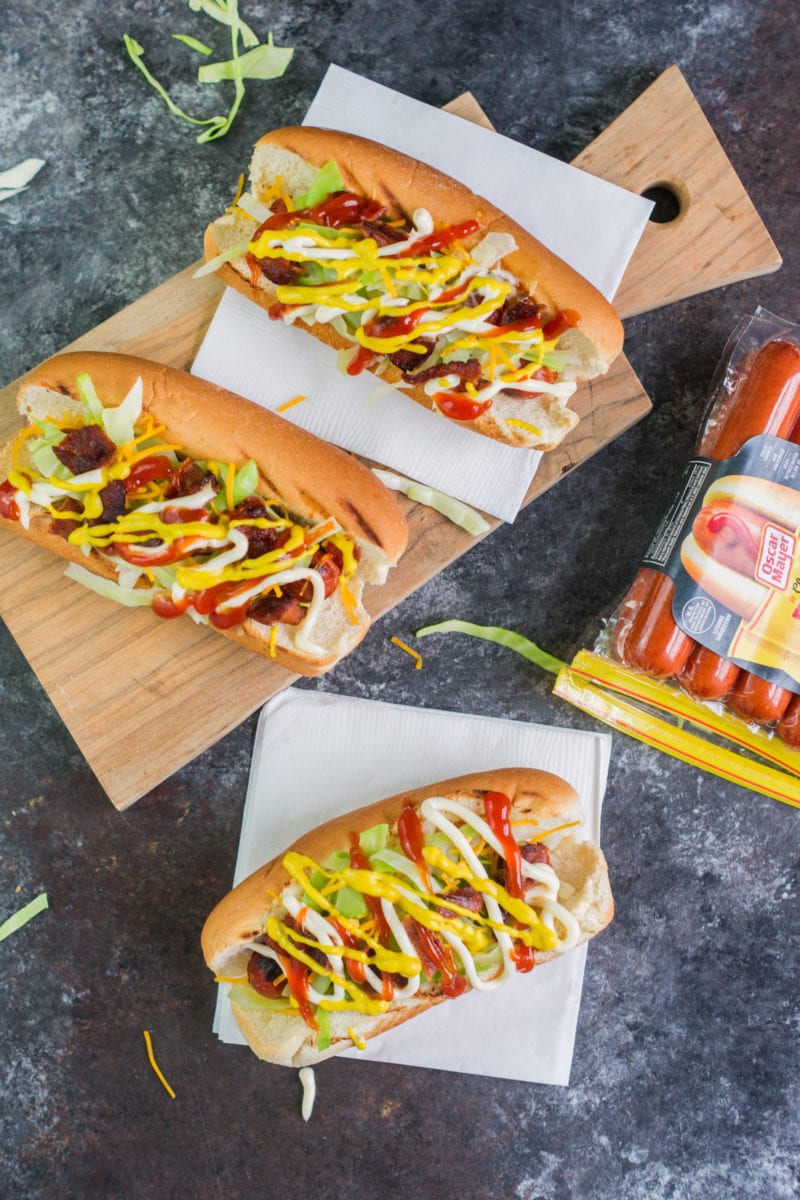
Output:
(352, 752)
(591, 223)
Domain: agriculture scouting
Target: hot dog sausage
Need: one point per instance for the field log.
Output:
(706, 676)
(656, 644)
(789, 724)
(767, 400)
(628, 610)
(757, 700)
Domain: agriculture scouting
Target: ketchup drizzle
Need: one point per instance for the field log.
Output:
(738, 527)
(460, 407)
(412, 839)
(297, 977)
(568, 318)
(498, 817)
(8, 505)
(441, 955)
(338, 209)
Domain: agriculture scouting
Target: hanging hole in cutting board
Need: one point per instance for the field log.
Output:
(667, 203)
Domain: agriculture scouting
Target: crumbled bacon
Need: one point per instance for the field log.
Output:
(112, 497)
(516, 308)
(464, 897)
(85, 449)
(260, 541)
(406, 360)
(467, 372)
(384, 235)
(63, 528)
(277, 610)
(189, 478)
(277, 270)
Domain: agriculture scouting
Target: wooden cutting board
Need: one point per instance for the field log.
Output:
(142, 696)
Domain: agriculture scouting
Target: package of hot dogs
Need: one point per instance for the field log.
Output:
(709, 630)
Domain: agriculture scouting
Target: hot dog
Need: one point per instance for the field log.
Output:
(731, 533)
(409, 273)
(191, 499)
(738, 592)
(457, 885)
(766, 400)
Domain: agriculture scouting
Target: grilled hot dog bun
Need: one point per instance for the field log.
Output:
(239, 921)
(311, 481)
(404, 185)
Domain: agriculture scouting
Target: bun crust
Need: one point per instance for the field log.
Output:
(240, 916)
(403, 184)
(313, 479)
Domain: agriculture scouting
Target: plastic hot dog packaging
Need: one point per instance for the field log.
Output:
(707, 638)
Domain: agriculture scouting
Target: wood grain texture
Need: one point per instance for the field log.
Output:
(113, 673)
(664, 140)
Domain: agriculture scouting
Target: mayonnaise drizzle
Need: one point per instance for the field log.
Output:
(301, 637)
(436, 811)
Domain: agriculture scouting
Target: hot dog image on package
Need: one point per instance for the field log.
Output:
(409, 274)
(165, 491)
(714, 610)
(379, 914)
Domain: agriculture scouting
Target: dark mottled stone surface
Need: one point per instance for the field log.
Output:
(685, 1079)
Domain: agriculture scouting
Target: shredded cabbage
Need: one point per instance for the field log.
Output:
(323, 1018)
(119, 422)
(247, 997)
(89, 398)
(43, 457)
(350, 903)
(25, 914)
(374, 839)
(219, 260)
(262, 62)
(193, 43)
(16, 179)
(253, 207)
(50, 436)
(503, 637)
(130, 597)
(398, 863)
(455, 510)
(328, 179)
(245, 482)
(265, 61)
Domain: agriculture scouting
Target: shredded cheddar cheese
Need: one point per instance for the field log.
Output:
(349, 601)
(273, 635)
(229, 484)
(154, 1064)
(417, 657)
(556, 829)
(524, 425)
(290, 404)
(237, 196)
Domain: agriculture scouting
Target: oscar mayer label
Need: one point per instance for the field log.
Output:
(774, 565)
(730, 541)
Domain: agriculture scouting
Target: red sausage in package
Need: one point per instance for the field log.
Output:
(716, 603)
